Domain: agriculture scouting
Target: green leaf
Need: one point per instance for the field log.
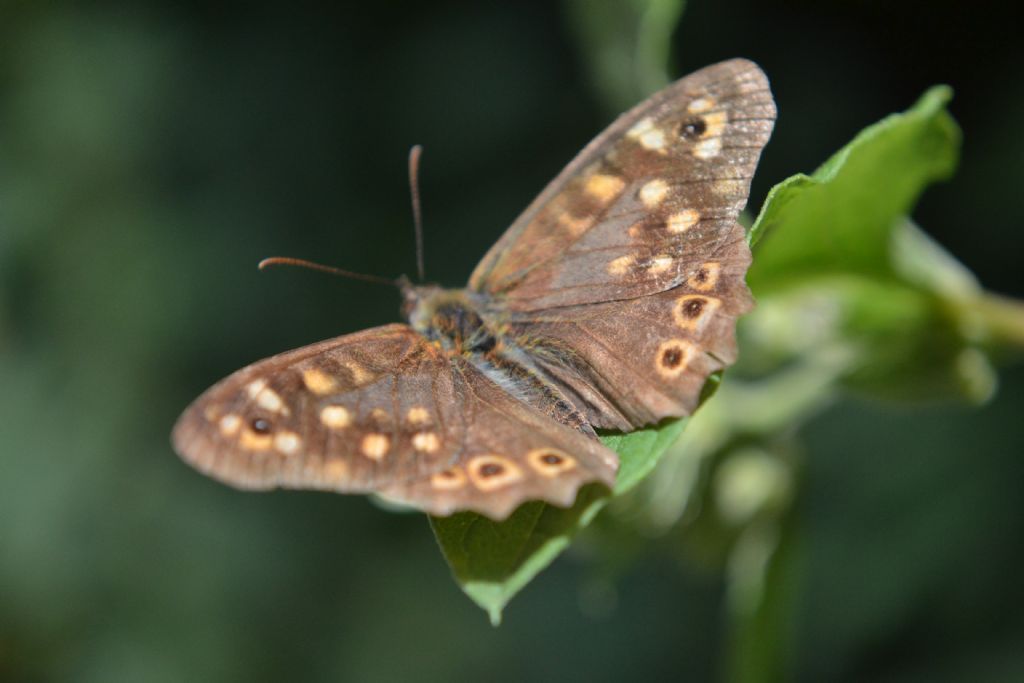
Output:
(492, 561)
(841, 218)
(838, 264)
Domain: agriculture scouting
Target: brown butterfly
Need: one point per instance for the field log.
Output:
(606, 305)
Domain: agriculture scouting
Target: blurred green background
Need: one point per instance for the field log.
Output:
(152, 152)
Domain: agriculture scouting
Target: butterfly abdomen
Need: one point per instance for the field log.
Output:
(512, 368)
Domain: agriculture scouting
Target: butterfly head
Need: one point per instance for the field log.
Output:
(449, 316)
(418, 301)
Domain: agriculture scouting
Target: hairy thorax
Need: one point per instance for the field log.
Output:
(453, 318)
(464, 325)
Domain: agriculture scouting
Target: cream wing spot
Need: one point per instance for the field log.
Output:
(701, 105)
(360, 375)
(375, 446)
(418, 415)
(653, 140)
(287, 443)
(318, 381)
(604, 188)
(715, 124)
(576, 226)
(640, 127)
(683, 221)
(254, 387)
(660, 264)
(621, 265)
(265, 397)
(229, 425)
(708, 149)
(491, 471)
(335, 417)
(653, 193)
(648, 135)
(673, 357)
(426, 442)
(268, 399)
(550, 462)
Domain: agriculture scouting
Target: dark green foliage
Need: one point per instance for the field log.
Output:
(151, 153)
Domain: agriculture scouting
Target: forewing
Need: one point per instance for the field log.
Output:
(639, 208)
(337, 415)
(385, 411)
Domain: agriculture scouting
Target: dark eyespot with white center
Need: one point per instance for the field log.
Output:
(691, 129)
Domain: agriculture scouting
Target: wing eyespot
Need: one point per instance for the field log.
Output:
(550, 462)
(673, 357)
(492, 471)
(691, 129)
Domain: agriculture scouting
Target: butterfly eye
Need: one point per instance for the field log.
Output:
(693, 128)
(260, 425)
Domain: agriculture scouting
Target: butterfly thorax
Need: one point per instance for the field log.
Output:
(462, 323)
(450, 317)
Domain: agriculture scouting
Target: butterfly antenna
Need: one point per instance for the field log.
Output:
(417, 212)
(303, 263)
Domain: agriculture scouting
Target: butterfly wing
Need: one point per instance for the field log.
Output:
(625, 364)
(628, 217)
(599, 267)
(385, 411)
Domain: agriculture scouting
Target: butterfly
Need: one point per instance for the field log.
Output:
(605, 306)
